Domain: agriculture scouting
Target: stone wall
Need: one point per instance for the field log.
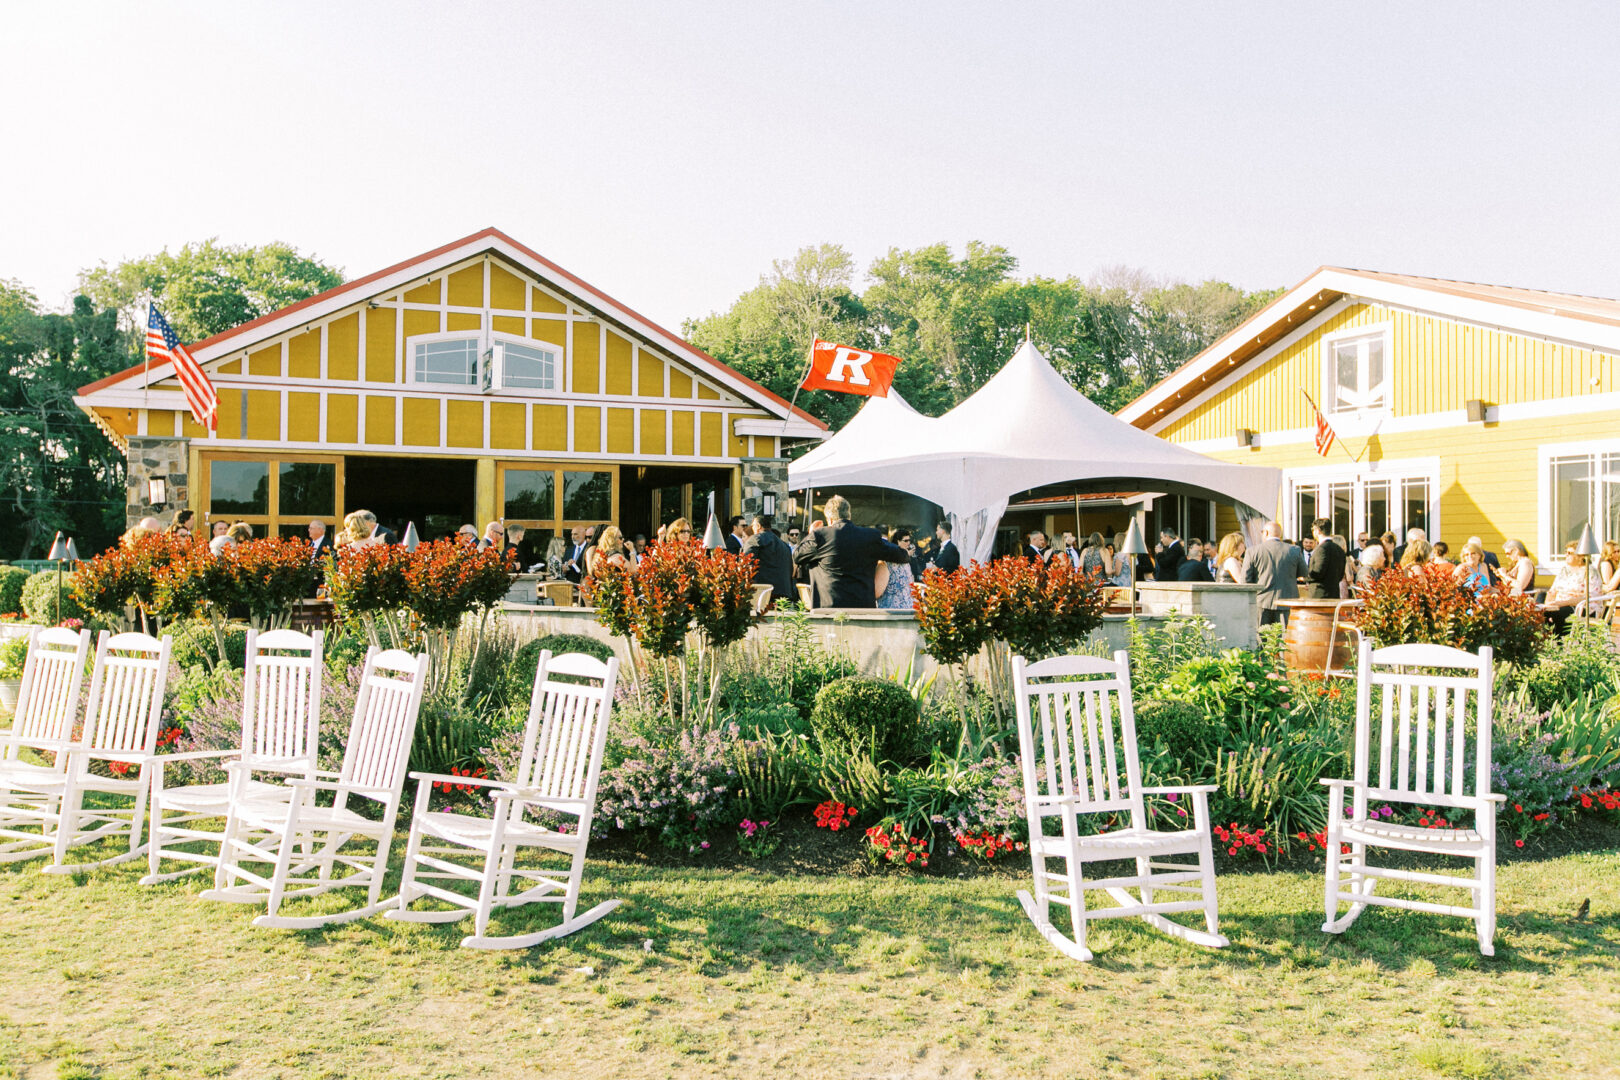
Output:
(761, 477)
(148, 458)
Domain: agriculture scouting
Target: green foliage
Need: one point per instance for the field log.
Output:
(1158, 649)
(1269, 770)
(194, 644)
(208, 287)
(345, 649)
(859, 716)
(449, 735)
(788, 669)
(1569, 666)
(1182, 731)
(855, 780)
(525, 660)
(1237, 682)
(42, 604)
(13, 655)
(774, 772)
(12, 579)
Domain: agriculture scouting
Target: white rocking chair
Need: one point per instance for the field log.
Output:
(1075, 721)
(121, 720)
(47, 707)
(557, 771)
(257, 851)
(1421, 739)
(281, 711)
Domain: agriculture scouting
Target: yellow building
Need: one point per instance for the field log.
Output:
(1463, 409)
(476, 381)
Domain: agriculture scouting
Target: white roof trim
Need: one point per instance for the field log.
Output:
(1489, 314)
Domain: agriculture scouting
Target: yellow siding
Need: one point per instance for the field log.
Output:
(304, 417)
(649, 375)
(160, 421)
(506, 426)
(264, 415)
(550, 427)
(509, 324)
(544, 301)
(122, 421)
(467, 286)
(505, 290)
(420, 422)
(343, 348)
(417, 322)
(587, 429)
(681, 436)
(707, 392)
(304, 355)
(424, 294)
(380, 419)
(461, 320)
(464, 423)
(621, 431)
(736, 445)
(265, 361)
(1437, 365)
(584, 372)
(230, 413)
(190, 429)
(231, 367)
(555, 331)
(342, 413)
(652, 431)
(379, 346)
(680, 383)
(710, 442)
(618, 363)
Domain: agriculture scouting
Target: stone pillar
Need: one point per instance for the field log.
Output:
(761, 477)
(150, 457)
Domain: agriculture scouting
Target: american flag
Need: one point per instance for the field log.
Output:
(163, 345)
(1324, 434)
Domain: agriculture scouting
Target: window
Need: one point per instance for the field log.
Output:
(277, 495)
(1398, 496)
(1356, 373)
(527, 367)
(239, 488)
(549, 499)
(308, 489)
(450, 361)
(1585, 490)
(531, 495)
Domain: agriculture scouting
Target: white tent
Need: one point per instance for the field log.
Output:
(1025, 428)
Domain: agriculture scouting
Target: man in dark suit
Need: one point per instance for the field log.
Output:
(1193, 567)
(320, 544)
(1276, 566)
(945, 556)
(1168, 559)
(842, 558)
(1036, 548)
(736, 535)
(1326, 569)
(773, 560)
(574, 565)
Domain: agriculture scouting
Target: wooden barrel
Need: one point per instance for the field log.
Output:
(1310, 628)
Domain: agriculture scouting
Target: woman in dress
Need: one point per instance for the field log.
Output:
(1417, 553)
(1521, 572)
(1093, 561)
(1119, 564)
(1472, 571)
(893, 580)
(609, 551)
(1576, 581)
(1229, 559)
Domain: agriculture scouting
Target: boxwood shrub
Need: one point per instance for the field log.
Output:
(12, 579)
(39, 599)
(860, 716)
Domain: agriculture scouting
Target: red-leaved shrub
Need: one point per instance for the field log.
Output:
(1434, 606)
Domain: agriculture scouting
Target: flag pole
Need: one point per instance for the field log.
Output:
(1354, 459)
(811, 363)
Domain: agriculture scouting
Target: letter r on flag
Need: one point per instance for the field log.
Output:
(849, 370)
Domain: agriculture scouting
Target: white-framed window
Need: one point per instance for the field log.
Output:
(485, 362)
(1386, 496)
(527, 365)
(1580, 486)
(1355, 371)
(446, 359)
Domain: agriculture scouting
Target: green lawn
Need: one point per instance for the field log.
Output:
(708, 972)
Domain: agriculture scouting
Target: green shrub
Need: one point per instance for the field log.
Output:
(12, 579)
(1183, 731)
(449, 736)
(1579, 662)
(13, 654)
(344, 650)
(526, 659)
(774, 772)
(1158, 650)
(40, 601)
(875, 718)
(1233, 683)
(193, 644)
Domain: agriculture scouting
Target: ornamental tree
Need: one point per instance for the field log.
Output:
(1435, 606)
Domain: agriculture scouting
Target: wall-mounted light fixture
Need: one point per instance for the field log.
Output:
(768, 505)
(157, 490)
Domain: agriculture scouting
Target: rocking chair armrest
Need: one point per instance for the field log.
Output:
(451, 778)
(132, 757)
(379, 794)
(196, 755)
(534, 795)
(55, 746)
(1337, 783)
(1191, 789)
(289, 766)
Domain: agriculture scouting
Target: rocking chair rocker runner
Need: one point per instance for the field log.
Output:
(256, 858)
(1075, 722)
(557, 772)
(281, 710)
(121, 720)
(1420, 761)
(47, 706)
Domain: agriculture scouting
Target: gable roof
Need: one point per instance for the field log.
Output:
(1587, 322)
(406, 272)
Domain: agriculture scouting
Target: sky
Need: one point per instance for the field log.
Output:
(668, 152)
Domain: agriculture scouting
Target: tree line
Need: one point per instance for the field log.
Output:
(954, 320)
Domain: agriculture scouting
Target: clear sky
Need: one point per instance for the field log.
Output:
(667, 152)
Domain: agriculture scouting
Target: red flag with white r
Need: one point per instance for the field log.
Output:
(849, 370)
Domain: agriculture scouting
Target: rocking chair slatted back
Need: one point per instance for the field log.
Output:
(281, 705)
(125, 707)
(1075, 725)
(48, 701)
(573, 720)
(384, 724)
(1423, 716)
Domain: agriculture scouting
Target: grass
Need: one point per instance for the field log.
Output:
(722, 972)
